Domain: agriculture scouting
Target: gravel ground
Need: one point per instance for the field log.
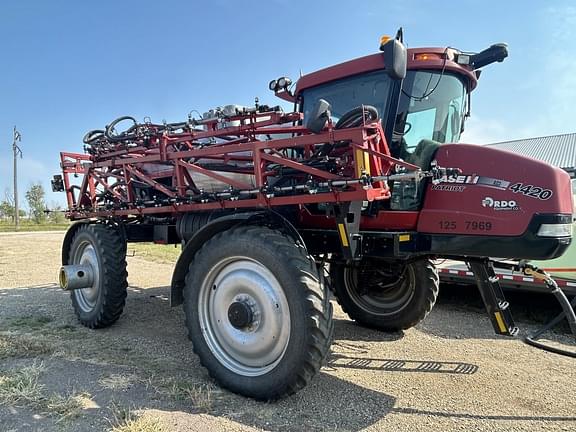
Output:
(448, 373)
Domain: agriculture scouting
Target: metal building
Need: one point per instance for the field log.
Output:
(557, 150)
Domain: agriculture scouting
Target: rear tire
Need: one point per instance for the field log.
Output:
(257, 313)
(375, 298)
(102, 248)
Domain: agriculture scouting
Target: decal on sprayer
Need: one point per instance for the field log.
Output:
(448, 188)
(532, 191)
(500, 205)
(474, 180)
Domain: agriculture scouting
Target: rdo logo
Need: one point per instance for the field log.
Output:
(499, 204)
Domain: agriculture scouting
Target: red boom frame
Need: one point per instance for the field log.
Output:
(113, 172)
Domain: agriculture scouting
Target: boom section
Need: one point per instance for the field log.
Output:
(258, 159)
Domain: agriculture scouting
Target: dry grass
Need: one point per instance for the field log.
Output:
(117, 382)
(21, 388)
(201, 396)
(127, 420)
(20, 346)
(66, 407)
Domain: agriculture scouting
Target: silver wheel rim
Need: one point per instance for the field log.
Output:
(394, 297)
(87, 298)
(258, 347)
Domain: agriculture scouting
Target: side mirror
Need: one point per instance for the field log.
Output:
(395, 58)
(495, 53)
(318, 117)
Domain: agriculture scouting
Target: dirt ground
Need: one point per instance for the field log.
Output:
(448, 373)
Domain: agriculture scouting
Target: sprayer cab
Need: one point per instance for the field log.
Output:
(501, 204)
(420, 93)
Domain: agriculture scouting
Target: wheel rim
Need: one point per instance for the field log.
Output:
(234, 289)
(389, 297)
(87, 298)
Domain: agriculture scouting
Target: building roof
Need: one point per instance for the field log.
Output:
(557, 150)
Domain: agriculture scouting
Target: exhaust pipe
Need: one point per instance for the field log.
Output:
(77, 276)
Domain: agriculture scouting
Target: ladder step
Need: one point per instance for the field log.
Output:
(497, 307)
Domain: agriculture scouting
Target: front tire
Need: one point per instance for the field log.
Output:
(102, 248)
(386, 296)
(257, 313)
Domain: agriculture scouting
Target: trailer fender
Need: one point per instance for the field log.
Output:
(265, 218)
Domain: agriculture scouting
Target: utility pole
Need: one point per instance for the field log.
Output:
(17, 152)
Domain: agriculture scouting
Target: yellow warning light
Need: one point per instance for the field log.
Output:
(383, 40)
(427, 56)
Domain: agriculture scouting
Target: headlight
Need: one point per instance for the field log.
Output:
(555, 230)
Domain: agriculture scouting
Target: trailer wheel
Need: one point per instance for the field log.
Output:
(386, 297)
(257, 313)
(102, 248)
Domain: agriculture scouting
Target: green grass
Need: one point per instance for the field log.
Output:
(155, 252)
(29, 322)
(26, 226)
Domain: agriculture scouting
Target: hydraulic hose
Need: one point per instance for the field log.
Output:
(92, 136)
(355, 117)
(567, 313)
(109, 133)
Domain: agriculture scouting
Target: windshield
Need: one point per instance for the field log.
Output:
(432, 105)
(349, 93)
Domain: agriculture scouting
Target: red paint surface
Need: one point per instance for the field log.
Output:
(385, 220)
(441, 208)
(376, 61)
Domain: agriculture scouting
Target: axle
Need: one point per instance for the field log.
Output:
(77, 276)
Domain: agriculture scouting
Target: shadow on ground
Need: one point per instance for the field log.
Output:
(530, 310)
(148, 352)
(145, 362)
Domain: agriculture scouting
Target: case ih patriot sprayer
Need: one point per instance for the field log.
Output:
(359, 179)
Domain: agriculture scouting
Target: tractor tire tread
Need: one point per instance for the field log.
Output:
(431, 294)
(114, 281)
(319, 323)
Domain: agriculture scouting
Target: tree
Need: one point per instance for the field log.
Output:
(6, 210)
(56, 214)
(7, 206)
(35, 198)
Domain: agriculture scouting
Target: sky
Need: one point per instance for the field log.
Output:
(67, 67)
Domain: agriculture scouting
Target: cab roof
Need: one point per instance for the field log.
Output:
(440, 58)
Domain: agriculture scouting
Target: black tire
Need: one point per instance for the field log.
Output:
(275, 360)
(390, 298)
(102, 246)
